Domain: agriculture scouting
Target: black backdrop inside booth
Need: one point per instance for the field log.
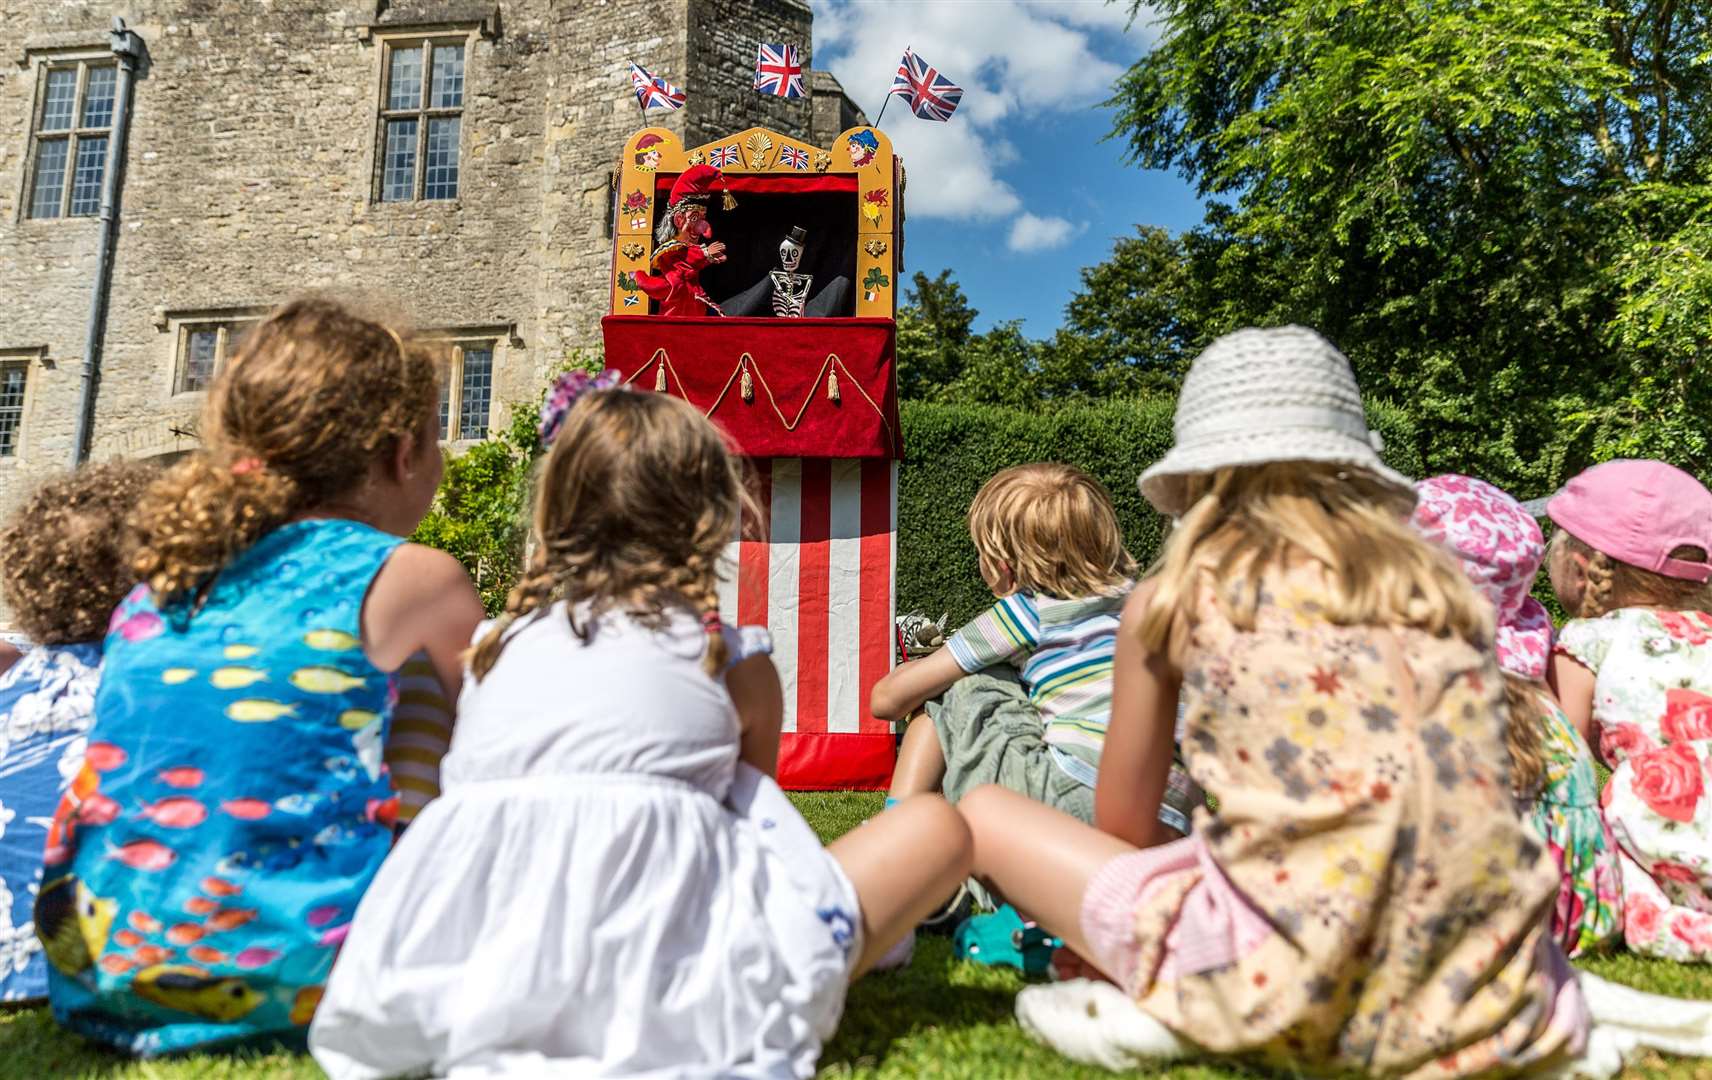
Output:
(752, 233)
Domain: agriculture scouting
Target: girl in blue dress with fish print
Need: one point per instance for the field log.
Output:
(246, 696)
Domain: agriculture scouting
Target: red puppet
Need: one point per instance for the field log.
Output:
(687, 245)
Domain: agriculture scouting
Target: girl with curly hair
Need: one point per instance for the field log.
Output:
(66, 568)
(235, 762)
(612, 884)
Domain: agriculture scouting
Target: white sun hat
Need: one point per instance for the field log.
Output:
(1259, 396)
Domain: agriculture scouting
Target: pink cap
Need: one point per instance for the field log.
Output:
(1637, 512)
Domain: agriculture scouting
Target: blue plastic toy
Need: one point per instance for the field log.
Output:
(1004, 938)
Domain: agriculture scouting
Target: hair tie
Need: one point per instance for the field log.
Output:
(565, 392)
(710, 621)
(246, 465)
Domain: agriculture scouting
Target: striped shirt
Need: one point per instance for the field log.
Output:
(1064, 651)
(421, 733)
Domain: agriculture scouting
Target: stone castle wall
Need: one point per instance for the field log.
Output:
(251, 175)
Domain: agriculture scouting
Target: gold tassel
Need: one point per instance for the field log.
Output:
(832, 386)
(746, 386)
(660, 378)
(730, 201)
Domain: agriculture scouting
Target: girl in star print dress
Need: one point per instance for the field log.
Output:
(246, 694)
(1366, 898)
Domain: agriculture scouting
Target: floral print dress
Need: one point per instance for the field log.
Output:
(47, 702)
(1367, 818)
(1589, 914)
(1652, 704)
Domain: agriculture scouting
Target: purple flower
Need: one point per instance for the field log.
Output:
(566, 389)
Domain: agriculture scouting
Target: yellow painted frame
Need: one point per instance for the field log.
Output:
(879, 203)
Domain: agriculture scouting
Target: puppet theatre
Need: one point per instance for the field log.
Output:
(753, 276)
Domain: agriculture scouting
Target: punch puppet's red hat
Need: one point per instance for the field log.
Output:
(696, 185)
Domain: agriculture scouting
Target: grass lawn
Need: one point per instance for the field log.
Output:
(936, 1018)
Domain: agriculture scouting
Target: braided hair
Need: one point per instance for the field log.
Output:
(633, 508)
(1613, 584)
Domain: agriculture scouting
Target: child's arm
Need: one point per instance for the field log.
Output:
(760, 702)
(1573, 684)
(1005, 633)
(422, 600)
(903, 689)
(1137, 757)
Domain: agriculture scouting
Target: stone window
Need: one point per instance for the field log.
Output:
(203, 345)
(14, 377)
(421, 118)
(466, 390)
(74, 123)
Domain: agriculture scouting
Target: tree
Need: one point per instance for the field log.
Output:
(1130, 327)
(941, 358)
(934, 326)
(1498, 209)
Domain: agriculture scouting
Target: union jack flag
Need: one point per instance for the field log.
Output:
(778, 72)
(795, 157)
(929, 94)
(654, 92)
(723, 157)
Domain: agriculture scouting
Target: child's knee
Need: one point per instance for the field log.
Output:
(931, 815)
(984, 807)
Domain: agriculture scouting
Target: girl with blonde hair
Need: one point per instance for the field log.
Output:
(612, 884)
(233, 805)
(1366, 897)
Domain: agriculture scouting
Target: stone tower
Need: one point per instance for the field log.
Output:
(449, 157)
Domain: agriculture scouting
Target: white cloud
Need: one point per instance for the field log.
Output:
(1032, 233)
(1012, 58)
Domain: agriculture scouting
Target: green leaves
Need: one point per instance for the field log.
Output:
(1496, 208)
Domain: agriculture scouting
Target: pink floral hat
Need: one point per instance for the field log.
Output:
(1501, 548)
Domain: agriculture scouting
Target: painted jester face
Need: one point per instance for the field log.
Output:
(860, 155)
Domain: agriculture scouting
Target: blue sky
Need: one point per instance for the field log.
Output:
(1020, 189)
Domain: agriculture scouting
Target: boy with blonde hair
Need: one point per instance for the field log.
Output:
(1051, 551)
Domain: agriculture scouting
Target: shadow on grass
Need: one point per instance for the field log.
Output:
(32, 1045)
(934, 993)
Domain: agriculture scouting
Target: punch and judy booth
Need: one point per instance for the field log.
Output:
(754, 277)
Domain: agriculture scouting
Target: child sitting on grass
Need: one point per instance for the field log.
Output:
(1050, 549)
(1501, 548)
(611, 884)
(1366, 899)
(246, 694)
(1631, 562)
(65, 569)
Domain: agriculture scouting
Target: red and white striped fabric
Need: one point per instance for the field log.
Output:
(818, 574)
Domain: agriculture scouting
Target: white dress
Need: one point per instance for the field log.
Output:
(602, 889)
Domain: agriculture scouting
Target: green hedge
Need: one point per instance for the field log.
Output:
(951, 450)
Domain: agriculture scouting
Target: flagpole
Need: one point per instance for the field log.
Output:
(907, 50)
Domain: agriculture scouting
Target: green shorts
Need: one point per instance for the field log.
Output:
(990, 733)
